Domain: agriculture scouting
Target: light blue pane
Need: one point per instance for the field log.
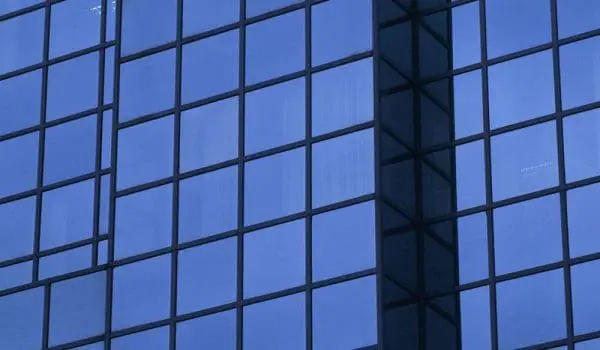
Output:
(577, 16)
(257, 7)
(106, 150)
(109, 74)
(583, 220)
(141, 292)
(21, 319)
(579, 72)
(143, 221)
(466, 41)
(202, 15)
(145, 152)
(593, 344)
(75, 26)
(14, 5)
(77, 308)
(65, 262)
(102, 252)
(345, 315)
(147, 85)
(582, 145)
(275, 116)
(472, 248)
(95, 346)
(22, 41)
(342, 97)
(531, 310)
(210, 66)
(343, 241)
(475, 319)
(340, 29)
(111, 15)
(207, 276)
(524, 161)
(67, 214)
(17, 226)
(104, 204)
(20, 102)
(208, 204)
(18, 169)
(209, 332)
(274, 258)
(586, 288)
(343, 168)
(468, 104)
(209, 134)
(147, 25)
(15, 275)
(276, 324)
(521, 89)
(470, 175)
(70, 150)
(154, 339)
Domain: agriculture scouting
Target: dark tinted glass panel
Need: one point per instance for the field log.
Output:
(22, 41)
(14, 5)
(203, 15)
(586, 288)
(257, 7)
(154, 339)
(472, 248)
(109, 74)
(18, 169)
(15, 275)
(20, 102)
(468, 104)
(579, 72)
(75, 25)
(475, 319)
(146, 25)
(17, 225)
(466, 44)
(209, 332)
(21, 319)
(577, 16)
(582, 145)
(470, 175)
(107, 118)
(65, 262)
(583, 220)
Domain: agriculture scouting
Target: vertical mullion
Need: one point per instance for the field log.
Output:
(308, 172)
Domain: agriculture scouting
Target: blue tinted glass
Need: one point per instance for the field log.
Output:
(472, 248)
(275, 116)
(521, 89)
(209, 134)
(345, 315)
(577, 16)
(276, 324)
(529, 25)
(588, 345)
(13, 5)
(141, 292)
(143, 221)
(274, 186)
(67, 214)
(343, 241)
(210, 66)
(208, 204)
(582, 145)
(147, 85)
(17, 225)
(15, 275)
(475, 319)
(145, 152)
(104, 204)
(274, 258)
(21, 319)
(75, 25)
(468, 104)
(579, 72)
(70, 150)
(342, 97)
(202, 15)
(275, 47)
(209, 332)
(18, 169)
(111, 15)
(146, 25)
(65, 262)
(531, 310)
(257, 7)
(207, 276)
(154, 339)
(340, 28)
(470, 175)
(95, 346)
(109, 77)
(107, 124)
(22, 97)
(22, 41)
(77, 308)
(524, 161)
(583, 220)
(343, 168)
(466, 41)
(102, 252)
(586, 288)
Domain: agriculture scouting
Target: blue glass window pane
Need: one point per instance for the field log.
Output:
(141, 292)
(15, 275)
(207, 276)
(111, 16)
(274, 186)
(209, 134)
(107, 124)
(579, 72)
(21, 97)
(343, 241)
(275, 116)
(210, 66)
(343, 168)
(208, 204)
(17, 226)
(468, 104)
(18, 169)
(345, 315)
(531, 310)
(154, 339)
(22, 41)
(95, 346)
(75, 25)
(14, 5)
(342, 97)
(21, 319)
(104, 204)
(77, 308)
(577, 16)
(257, 7)
(582, 204)
(67, 214)
(582, 145)
(147, 85)
(209, 332)
(102, 252)
(70, 150)
(147, 25)
(524, 161)
(109, 74)
(276, 324)
(475, 319)
(145, 152)
(472, 248)
(65, 262)
(466, 40)
(588, 345)
(202, 15)
(274, 258)
(470, 175)
(340, 29)
(521, 89)
(143, 221)
(586, 288)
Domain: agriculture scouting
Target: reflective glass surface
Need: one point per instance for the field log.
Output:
(21, 101)
(582, 145)
(468, 104)
(22, 41)
(582, 217)
(577, 16)
(146, 26)
(19, 162)
(472, 248)
(154, 339)
(75, 25)
(202, 15)
(215, 331)
(17, 226)
(15, 275)
(585, 289)
(579, 72)
(21, 319)
(14, 5)
(475, 319)
(470, 175)
(257, 7)
(65, 262)
(466, 44)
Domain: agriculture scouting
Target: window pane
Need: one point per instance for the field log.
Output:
(65, 262)
(588, 345)
(475, 319)
(102, 252)
(470, 175)
(111, 15)
(257, 7)
(275, 47)
(343, 168)
(95, 346)
(274, 186)
(582, 204)
(577, 16)
(18, 169)
(109, 74)
(22, 42)
(75, 25)
(107, 124)
(468, 104)
(104, 204)
(146, 26)
(17, 225)
(586, 288)
(274, 258)
(202, 15)
(14, 5)
(22, 97)
(15, 275)
(209, 332)
(472, 248)
(21, 319)
(154, 339)
(582, 145)
(208, 204)
(207, 276)
(466, 41)
(579, 71)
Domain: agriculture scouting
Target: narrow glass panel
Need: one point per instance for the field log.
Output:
(109, 74)
(582, 204)
(472, 248)
(586, 288)
(75, 25)
(21, 101)
(475, 319)
(107, 118)
(202, 15)
(154, 339)
(104, 204)
(22, 41)
(215, 331)
(577, 16)
(102, 252)
(18, 169)
(257, 7)
(21, 319)
(466, 41)
(580, 72)
(111, 16)
(65, 262)
(146, 26)
(468, 104)
(470, 175)
(17, 227)
(582, 145)
(15, 275)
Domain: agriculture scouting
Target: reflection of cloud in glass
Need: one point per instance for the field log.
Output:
(98, 9)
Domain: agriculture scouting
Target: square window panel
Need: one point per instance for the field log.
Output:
(21, 319)
(14, 5)
(18, 169)
(22, 41)
(147, 25)
(15, 275)
(472, 248)
(202, 15)
(466, 35)
(468, 104)
(580, 72)
(475, 319)
(582, 145)
(470, 175)
(154, 339)
(65, 262)
(216, 331)
(75, 25)
(17, 227)
(585, 289)
(22, 97)
(582, 204)
(577, 16)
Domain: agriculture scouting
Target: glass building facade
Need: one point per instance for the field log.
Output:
(287, 174)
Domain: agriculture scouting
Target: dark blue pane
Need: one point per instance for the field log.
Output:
(20, 102)
(593, 344)
(207, 276)
(21, 319)
(65, 262)
(577, 16)
(470, 175)
(582, 145)
(17, 225)
(468, 104)
(22, 41)
(586, 288)
(15, 275)
(77, 308)
(104, 204)
(107, 124)
(466, 41)
(13, 5)
(75, 25)
(109, 74)
(472, 248)
(475, 319)
(146, 25)
(143, 221)
(276, 324)
(257, 7)
(18, 169)
(579, 72)
(202, 15)
(583, 220)
(154, 339)
(209, 332)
